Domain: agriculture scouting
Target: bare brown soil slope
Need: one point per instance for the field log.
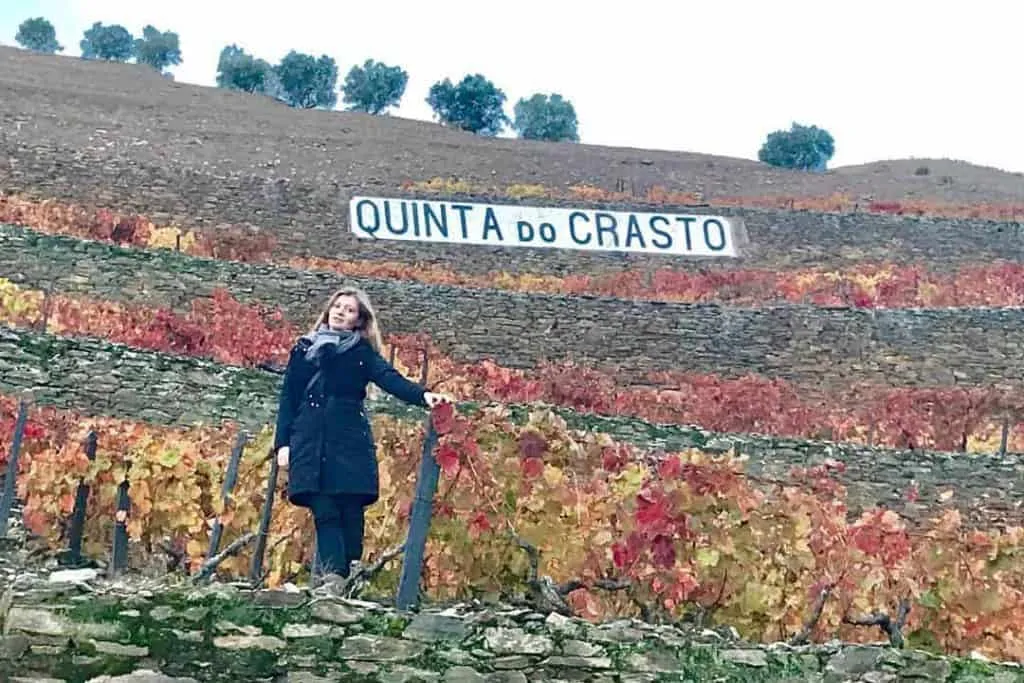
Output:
(132, 112)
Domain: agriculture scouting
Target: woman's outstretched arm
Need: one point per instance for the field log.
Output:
(384, 375)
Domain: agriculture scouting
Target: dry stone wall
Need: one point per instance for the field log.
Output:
(96, 377)
(309, 218)
(817, 347)
(74, 627)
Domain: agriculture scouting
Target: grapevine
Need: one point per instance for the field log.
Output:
(688, 538)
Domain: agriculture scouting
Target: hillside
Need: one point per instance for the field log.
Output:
(127, 112)
(776, 443)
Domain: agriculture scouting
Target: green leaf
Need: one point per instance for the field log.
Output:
(930, 600)
(707, 557)
(170, 457)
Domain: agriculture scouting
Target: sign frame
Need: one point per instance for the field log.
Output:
(428, 220)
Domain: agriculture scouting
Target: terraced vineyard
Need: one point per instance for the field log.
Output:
(827, 428)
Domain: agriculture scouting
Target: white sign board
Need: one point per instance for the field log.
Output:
(504, 225)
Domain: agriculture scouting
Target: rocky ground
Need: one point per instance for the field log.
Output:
(71, 628)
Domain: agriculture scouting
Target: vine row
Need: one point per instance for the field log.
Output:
(685, 537)
(969, 419)
(875, 285)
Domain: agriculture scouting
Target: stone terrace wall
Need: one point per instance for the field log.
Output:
(96, 377)
(818, 347)
(313, 219)
(97, 632)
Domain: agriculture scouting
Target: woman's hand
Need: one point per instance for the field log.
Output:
(433, 399)
(282, 456)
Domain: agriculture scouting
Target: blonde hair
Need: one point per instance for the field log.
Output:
(367, 325)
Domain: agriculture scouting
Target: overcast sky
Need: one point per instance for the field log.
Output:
(889, 79)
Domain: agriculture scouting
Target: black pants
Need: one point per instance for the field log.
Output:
(339, 522)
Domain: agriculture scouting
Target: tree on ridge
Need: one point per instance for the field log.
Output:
(543, 117)
(157, 49)
(475, 105)
(373, 87)
(807, 148)
(112, 43)
(37, 34)
(308, 82)
(237, 70)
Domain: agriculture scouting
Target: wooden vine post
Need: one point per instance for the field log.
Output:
(77, 531)
(7, 497)
(419, 518)
(230, 479)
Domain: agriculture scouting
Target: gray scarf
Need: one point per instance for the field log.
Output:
(325, 336)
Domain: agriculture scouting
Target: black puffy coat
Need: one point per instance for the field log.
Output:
(325, 423)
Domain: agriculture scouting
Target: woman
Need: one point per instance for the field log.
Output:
(323, 434)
